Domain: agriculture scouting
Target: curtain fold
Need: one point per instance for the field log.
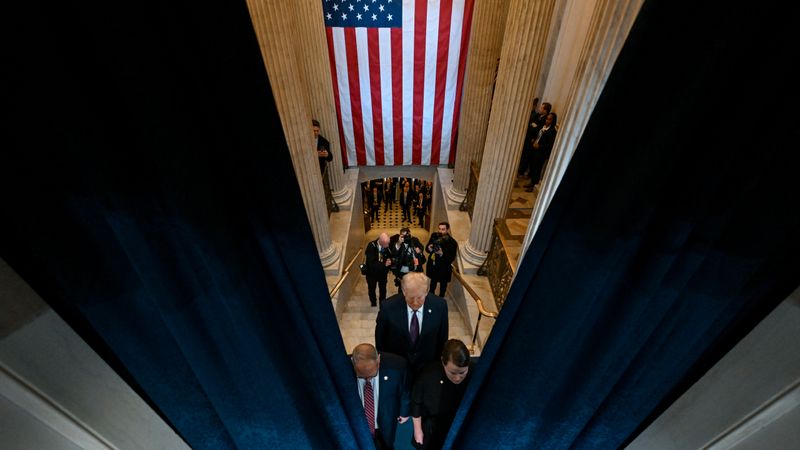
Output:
(149, 197)
(674, 232)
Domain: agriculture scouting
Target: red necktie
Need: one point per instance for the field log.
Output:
(369, 405)
(414, 330)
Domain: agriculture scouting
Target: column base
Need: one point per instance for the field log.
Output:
(455, 197)
(342, 197)
(331, 258)
(471, 258)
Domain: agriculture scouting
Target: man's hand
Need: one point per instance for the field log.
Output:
(440, 252)
(388, 262)
(402, 420)
(418, 436)
(322, 153)
(418, 250)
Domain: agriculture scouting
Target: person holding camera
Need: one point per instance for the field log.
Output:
(378, 260)
(407, 255)
(442, 249)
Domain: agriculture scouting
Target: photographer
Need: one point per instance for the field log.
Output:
(378, 260)
(407, 255)
(442, 249)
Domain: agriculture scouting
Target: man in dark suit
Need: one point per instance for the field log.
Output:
(406, 199)
(542, 147)
(413, 324)
(386, 398)
(323, 147)
(378, 260)
(443, 250)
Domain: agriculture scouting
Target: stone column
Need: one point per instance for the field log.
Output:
(524, 43)
(314, 60)
(276, 32)
(485, 42)
(610, 24)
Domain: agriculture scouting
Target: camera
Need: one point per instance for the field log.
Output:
(437, 244)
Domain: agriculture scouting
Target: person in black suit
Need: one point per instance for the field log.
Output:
(420, 208)
(323, 147)
(388, 195)
(413, 324)
(374, 203)
(406, 199)
(443, 250)
(542, 146)
(437, 392)
(378, 260)
(386, 374)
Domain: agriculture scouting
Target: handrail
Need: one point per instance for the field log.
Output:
(481, 309)
(345, 272)
(482, 312)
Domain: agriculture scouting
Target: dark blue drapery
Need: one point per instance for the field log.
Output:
(674, 231)
(148, 196)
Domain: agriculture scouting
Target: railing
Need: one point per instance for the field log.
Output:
(345, 272)
(482, 312)
(498, 267)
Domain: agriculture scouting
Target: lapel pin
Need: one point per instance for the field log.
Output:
(441, 381)
(430, 311)
(385, 378)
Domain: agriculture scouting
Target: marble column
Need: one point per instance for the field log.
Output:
(485, 42)
(313, 57)
(609, 27)
(273, 21)
(524, 43)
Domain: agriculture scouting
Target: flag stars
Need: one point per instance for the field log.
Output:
(374, 17)
(389, 17)
(329, 16)
(380, 8)
(335, 7)
(344, 16)
(358, 16)
(350, 7)
(366, 7)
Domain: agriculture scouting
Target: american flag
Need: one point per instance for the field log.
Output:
(397, 69)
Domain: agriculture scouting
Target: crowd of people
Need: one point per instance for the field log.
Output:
(402, 254)
(412, 370)
(413, 197)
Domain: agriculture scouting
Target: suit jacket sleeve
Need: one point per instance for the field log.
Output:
(323, 144)
(380, 330)
(374, 266)
(444, 331)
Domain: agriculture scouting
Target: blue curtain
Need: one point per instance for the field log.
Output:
(674, 231)
(149, 197)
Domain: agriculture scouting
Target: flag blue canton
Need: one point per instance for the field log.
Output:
(363, 13)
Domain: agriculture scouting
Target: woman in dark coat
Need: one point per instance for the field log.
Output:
(437, 392)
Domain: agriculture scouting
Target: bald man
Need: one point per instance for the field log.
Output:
(413, 323)
(378, 261)
(386, 399)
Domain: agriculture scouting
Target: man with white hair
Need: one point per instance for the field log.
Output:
(413, 323)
